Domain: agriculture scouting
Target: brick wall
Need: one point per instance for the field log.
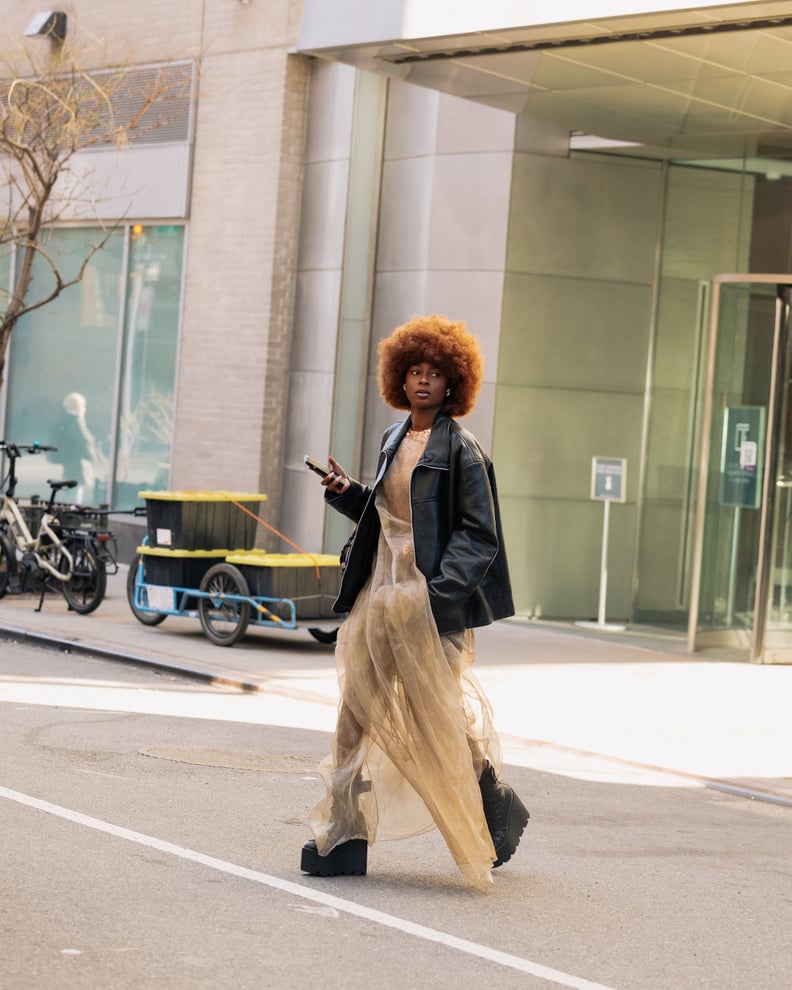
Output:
(235, 341)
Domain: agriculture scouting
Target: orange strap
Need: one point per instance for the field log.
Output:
(286, 539)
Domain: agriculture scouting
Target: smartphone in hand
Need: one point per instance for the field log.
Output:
(321, 469)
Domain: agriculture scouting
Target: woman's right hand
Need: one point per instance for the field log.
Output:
(337, 480)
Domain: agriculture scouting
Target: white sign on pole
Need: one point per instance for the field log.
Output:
(609, 479)
(608, 484)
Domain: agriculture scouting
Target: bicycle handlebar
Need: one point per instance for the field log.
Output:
(30, 448)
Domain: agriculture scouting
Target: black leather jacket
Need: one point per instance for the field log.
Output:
(456, 528)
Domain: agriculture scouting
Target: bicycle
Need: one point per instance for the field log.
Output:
(63, 554)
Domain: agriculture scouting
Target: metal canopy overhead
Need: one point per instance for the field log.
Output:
(706, 83)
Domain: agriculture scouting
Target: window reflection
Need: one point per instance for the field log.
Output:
(93, 372)
(145, 420)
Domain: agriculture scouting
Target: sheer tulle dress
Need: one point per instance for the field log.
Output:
(414, 725)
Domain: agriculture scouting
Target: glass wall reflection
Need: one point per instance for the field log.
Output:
(93, 372)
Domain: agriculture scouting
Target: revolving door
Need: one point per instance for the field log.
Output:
(742, 568)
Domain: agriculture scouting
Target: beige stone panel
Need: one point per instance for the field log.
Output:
(316, 320)
(452, 294)
(411, 123)
(464, 127)
(472, 296)
(330, 106)
(481, 420)
(470, 211)
(303, 515)
(405, 208)
(584, 217)
(545, 439)
(398, 296)
(575, 333)
(307, 427)
(307, 432)
(475, 297)
(323, 217)
(707, 223)
(554, 549)
(378, 417)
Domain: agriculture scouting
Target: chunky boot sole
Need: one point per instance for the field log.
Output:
(348, 859)
(517, 819)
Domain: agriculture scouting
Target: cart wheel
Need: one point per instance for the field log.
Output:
(327, 636)
(147, 618)
(223, 621)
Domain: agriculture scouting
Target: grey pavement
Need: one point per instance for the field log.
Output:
(630, 706)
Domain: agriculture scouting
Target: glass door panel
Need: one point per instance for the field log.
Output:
(776, 645)
(740, 376)
(743, 567)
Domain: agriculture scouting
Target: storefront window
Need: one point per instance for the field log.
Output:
(148, 361)
(93, 372)
(61, 368)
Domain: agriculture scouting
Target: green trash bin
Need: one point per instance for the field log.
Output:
(202, 520)
(293, 576)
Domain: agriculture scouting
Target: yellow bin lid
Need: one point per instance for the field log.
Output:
(196, 496)
(147, 551)
(260, 558)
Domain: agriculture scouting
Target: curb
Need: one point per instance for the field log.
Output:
(114, 654)
(252, 687)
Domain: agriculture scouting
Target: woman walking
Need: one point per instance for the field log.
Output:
(414, 745)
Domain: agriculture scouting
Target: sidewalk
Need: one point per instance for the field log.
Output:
(631, 706)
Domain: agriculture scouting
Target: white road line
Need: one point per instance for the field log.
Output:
(298, 890)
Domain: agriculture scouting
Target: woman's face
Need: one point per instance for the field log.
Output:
(425, 386)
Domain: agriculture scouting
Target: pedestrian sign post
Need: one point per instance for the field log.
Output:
(608, 484)
(608, 479)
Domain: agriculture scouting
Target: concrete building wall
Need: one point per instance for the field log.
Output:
(440, 225)
(239, 280)
(443, 228)
(318, 297)
(574, 348)
(242, 220)
(707, 230)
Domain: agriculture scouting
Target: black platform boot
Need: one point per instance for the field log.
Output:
(347, 859)
(505, 813)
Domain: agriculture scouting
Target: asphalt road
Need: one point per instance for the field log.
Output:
(150, 829)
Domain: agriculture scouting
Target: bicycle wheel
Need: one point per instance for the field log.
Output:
(147, 618)
(86, 587)
(223, 621)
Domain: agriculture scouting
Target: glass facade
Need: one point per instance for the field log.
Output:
(715, 221)
(93, 372)
(144, 420)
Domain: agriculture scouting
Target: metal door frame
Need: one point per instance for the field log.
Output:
(780, 340)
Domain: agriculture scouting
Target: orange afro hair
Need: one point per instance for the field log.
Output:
(441, 342)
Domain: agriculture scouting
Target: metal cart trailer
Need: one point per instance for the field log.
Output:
(184, 567)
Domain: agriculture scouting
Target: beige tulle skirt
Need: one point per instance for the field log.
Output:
(414, 725)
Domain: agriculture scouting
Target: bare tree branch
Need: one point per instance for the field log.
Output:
(50, 113)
